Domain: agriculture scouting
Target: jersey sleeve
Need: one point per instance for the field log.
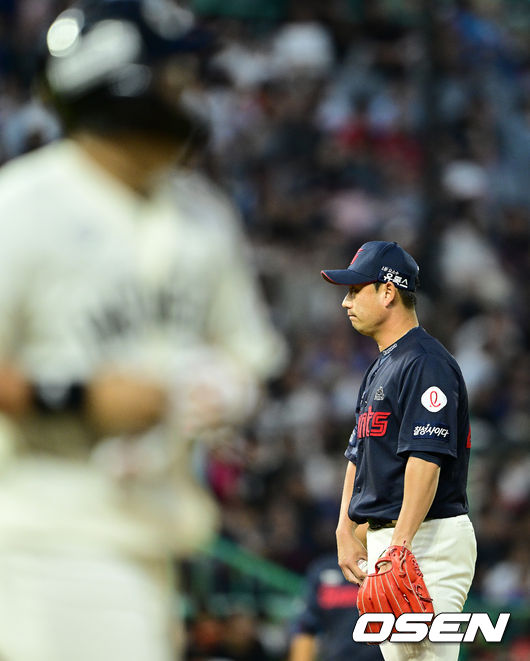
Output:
(428, 401)
(33, 334)
(351, 450)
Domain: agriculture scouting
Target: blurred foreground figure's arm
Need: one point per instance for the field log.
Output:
(113, 402)
(117, 403)
(15, 392)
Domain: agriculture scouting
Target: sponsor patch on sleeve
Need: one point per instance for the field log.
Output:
(430, 431)
(434, 399)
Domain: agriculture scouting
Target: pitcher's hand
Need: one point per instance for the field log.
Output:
(349, 552)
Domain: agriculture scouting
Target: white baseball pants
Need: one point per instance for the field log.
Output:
(446, 552)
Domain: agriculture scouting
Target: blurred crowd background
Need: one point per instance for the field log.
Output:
(335, 123)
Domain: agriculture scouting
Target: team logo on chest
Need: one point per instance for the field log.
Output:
(372, 423)
(379, 394)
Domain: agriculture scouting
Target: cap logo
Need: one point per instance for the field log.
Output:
(388, 274)
(356, 255)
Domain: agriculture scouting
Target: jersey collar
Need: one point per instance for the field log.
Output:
(403, 341)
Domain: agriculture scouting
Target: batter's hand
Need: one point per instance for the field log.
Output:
(351, 552)
(15, 391)
(200, 408)
(119, 403)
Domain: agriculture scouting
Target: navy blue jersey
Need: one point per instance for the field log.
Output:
(412, 401)
(330, 613)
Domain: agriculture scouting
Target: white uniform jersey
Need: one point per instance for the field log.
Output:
(94, 275)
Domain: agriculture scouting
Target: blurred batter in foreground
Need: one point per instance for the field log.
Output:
(130, 324)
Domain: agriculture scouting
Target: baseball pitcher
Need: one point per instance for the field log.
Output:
(408, 456)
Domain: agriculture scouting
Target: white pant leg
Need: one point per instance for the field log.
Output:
(61, 607)
(446, 552)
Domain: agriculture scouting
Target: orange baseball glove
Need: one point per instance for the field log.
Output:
(398, 589)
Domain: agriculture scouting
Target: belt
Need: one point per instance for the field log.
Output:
(377, 524)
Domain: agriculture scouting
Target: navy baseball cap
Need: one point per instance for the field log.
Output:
(377, 261)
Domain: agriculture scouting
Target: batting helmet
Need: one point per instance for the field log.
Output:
(127, 65)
